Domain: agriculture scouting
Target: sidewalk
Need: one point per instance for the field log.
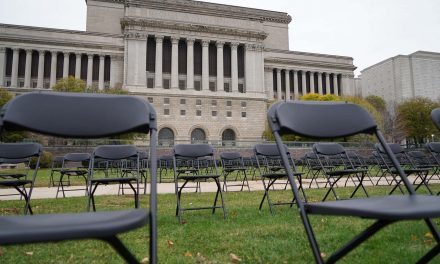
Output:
(163, 188)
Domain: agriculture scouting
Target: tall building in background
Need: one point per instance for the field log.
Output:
(209, 69)
(403, 77)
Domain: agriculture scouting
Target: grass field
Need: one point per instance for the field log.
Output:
(251, 236)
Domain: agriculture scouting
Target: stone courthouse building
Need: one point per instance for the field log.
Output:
(209, 69)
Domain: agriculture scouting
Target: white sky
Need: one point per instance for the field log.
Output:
(367, 30)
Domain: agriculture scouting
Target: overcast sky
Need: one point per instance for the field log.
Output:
(367, 30)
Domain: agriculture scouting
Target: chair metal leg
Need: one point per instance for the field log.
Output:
(121, 249)
(225, 214)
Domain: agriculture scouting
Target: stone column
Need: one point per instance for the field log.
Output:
(268, 80)
(2, 66)
(220, 71)
(158, 73)
(320, 83)
(27, 71)
(112, 72)
(249, 67)
(175, 63)
(14, 73)
(205, 65)
(287, 84)
(40, 82)
(312, 82)
(53, 68)
(190, 63)
(304, 82)
(89, 69)
(78, 65)
(327, 83)
(116, 70)
(66, 65)
(279, 91)
(335, 84)
(234, 67)
(295, 85)
(101, 72)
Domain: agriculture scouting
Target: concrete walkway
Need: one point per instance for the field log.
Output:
(162, 188)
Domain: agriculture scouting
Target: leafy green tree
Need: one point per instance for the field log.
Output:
(377, 102)
(6, 136)
(70, 84)
(415, 116)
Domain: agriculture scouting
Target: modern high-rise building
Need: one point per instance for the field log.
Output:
(403, 77)
(209, 69)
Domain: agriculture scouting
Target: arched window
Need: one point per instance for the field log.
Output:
(228, 137)
(198, 135)
(166, 137)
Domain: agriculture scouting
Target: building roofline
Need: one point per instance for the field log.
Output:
(57, 30)
(309, 53)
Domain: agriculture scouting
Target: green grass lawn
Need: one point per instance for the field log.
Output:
(253, 236)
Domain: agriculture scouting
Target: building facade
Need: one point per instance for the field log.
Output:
(403, 77)
(209, 69)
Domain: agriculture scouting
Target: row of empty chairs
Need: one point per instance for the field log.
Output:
(195, 163)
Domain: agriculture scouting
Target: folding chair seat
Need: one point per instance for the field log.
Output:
(419, 160)
(233, 165)
(336, 169)
(82, 116)
(406, 164)
(68, 171)
(324, 120)
(114, 153)
(15, 178)
(195, 163)
(314, 169)
(272, 169)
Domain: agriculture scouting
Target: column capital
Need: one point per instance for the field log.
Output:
(249, 46)
(175, 40)
(41, 52)
(219, 44)
(205, 43)
(90, 55)
(54, 52)
(268, 68)
(259, 47)
(29, 51)
(66, 53)
(278, 70)
(101, 56)
(190, 41)
(234, 45)
(78, 54)
(159, 38)
(15, 49)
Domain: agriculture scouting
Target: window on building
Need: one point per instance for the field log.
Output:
(150, 82)
(182, 84)
(212, 87)
(198, 112)
(166, 100)
(197, 86)
(214, 102)
(214, 113)
(182, 101)
(166, 137)
(198, 102)
(229, 114)
(198, 134)
(182, 112)
(243, 104)
(243, 114)
(228, 103)
(150, 99)
(166, 111)
(227, 88)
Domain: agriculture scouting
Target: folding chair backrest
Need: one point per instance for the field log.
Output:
(76, 157)
(20, 150)
(435, 116)
(230, 155)
(328, 148)
(395, 148)
(115, 152)
(193, 151)
(78, 115)
(268, 150)
(433, 147)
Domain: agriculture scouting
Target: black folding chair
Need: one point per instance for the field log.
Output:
(55, 168)
(195, 163)
(271, 168)
(16, 153)
(134, 167)
(342, 166)
(233, 166)
(114, 153)
(68, 171)
(82, 116)
(336, 120)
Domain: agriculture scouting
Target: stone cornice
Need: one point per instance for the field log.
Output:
(134, 23)
(307, 63)
(210, 9)
(309, 53)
